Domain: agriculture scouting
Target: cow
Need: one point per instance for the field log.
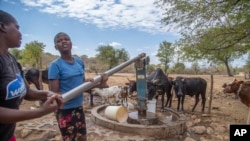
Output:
(190, 86)
(162, 86)
(32, 77)
(225, 86)
(242, 90)
(157, 84)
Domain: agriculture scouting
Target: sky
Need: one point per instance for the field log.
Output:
(130, 24)
(134, 25)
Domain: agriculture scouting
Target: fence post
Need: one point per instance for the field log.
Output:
(211, 94)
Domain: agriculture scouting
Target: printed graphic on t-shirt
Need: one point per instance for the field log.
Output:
(16, 88)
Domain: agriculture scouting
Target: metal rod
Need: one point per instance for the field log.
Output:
(85, 86)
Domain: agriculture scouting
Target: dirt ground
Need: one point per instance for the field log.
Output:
(225, 110)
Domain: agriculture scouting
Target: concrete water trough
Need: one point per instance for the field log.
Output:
(170, 123)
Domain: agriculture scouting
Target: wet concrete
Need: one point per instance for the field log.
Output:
(149, 119)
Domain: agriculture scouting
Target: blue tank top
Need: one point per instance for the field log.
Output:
(70, 75)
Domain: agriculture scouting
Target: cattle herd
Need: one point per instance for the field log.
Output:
(158, 84)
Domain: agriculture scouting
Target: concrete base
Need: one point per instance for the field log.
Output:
(161, 130)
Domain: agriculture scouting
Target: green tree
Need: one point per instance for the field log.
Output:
(178, 68)
(32, 53)
(195, 16)
(195, 67)
(165, 54)
(218, 31)
(203, 47)
(150, 68)
(111, 56)
(16, 53)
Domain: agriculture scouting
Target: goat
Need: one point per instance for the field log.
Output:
(106, 93)
(124, 96)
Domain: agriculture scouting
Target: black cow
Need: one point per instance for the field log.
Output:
(32, 77)
(190, 86)
(157, 84)
(162, 86)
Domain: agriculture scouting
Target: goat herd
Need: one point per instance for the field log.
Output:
(158, 84)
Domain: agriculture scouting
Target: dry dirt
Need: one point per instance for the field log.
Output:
(225, 110)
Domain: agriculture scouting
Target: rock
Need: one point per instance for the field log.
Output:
(37, 104)
(189, 124)
(199, 130)
(219, 137)
(193, 117)
(56, 138)
(196, 121)
(203, 139)
(210, 131)
(24, 133)
(213, 124)
(32, 108)
(189, 139)
(220, 129)
(226, 138)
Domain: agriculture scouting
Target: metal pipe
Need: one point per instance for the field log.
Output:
(87, 85)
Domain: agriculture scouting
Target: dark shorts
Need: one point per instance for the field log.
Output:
(71, 123)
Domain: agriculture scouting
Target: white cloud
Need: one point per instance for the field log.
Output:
(75, 47)
(26, 35)
(142, 15)
(115, 44)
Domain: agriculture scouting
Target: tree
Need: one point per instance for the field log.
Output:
(165, 54)
(16, 53)
(32, 53)
(110, 56)
(196, 15)
(195, 67)
(150, 68)
(178, 68)
(202, 46)
(218, 31)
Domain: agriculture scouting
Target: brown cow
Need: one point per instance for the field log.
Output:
(229, 90)
(241, 89)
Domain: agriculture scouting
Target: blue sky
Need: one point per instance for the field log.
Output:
(129, 24)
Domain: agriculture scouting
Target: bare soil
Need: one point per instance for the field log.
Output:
(225, 110)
